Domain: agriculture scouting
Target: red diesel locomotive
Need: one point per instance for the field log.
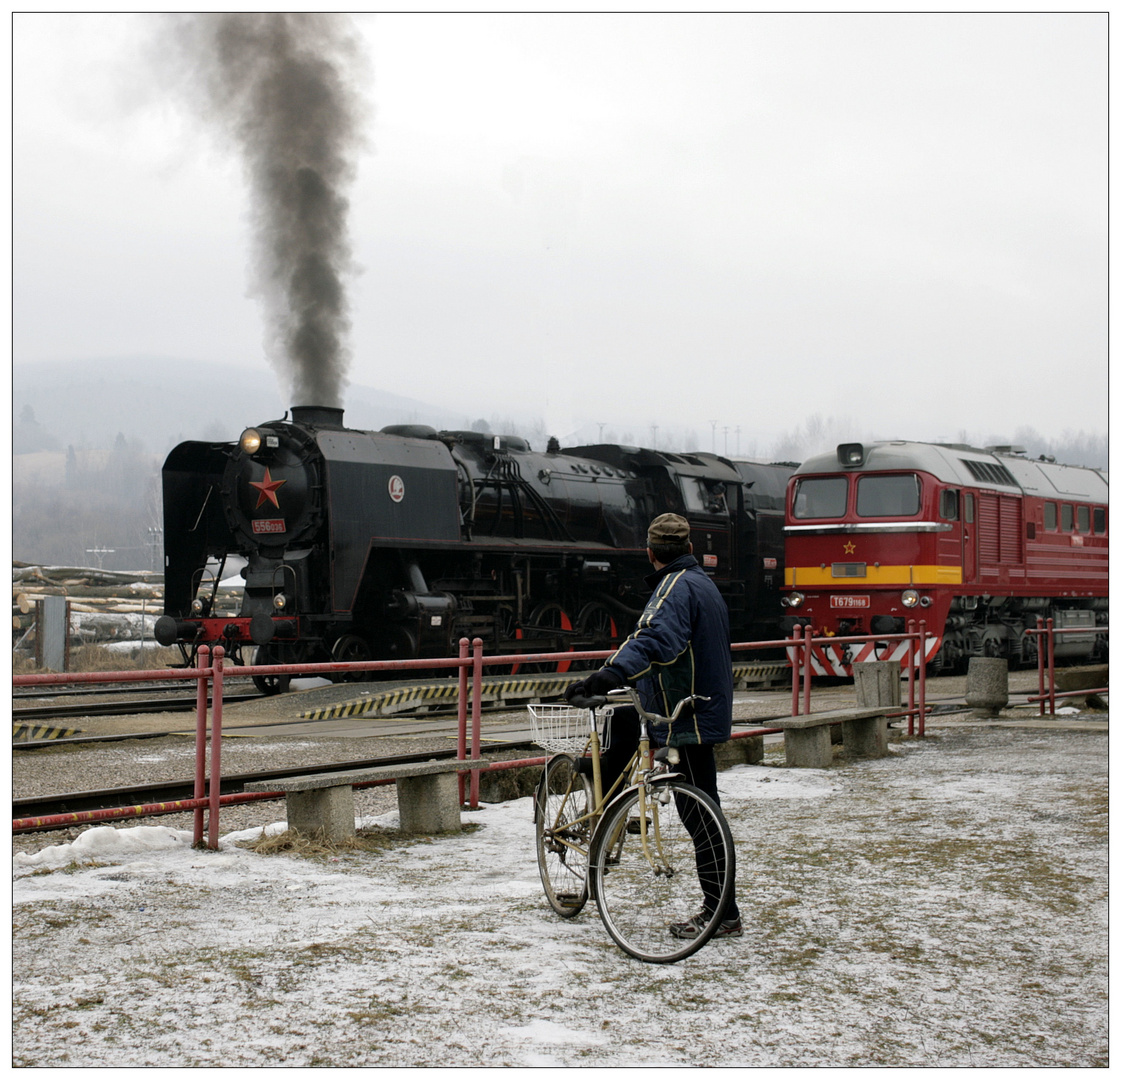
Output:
(977, 543)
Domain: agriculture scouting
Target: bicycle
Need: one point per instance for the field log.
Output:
(648, 851)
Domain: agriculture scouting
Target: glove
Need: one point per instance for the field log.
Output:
(595, 685)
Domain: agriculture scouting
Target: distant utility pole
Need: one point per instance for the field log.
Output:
(99, 551)
(601, 432)
(713, 423)
(737, 440)
(654, 428)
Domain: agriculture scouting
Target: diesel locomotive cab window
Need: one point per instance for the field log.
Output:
(949, 505)
(1050, 516)
(821, 497)
(1099, 521)
(1068, 517)
(887, 496)
(1083, 519)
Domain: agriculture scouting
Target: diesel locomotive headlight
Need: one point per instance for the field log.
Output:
(793, 599)
(910, 597)
(250, 441)
(280, 601)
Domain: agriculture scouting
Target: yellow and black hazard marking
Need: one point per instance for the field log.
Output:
(35, 732)
(759, 673)
(384, 704)
(387, 703)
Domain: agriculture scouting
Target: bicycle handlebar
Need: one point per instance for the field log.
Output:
(598, 701)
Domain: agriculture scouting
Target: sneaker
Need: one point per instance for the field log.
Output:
(692, 927)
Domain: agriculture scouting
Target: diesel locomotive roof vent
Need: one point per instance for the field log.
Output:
(850, 454)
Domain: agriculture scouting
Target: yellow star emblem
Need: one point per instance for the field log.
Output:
(850, 548)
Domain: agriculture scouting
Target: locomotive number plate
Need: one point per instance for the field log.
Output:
(268, 525)
(850, 601)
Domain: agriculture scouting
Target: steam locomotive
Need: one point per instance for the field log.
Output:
(394, 544)
(977, 543)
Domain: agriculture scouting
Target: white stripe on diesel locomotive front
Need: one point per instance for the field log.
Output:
(829, 660)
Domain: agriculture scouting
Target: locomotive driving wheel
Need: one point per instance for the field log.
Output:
(543, 618)
(351, 649)
(270, 684)
(597, 625)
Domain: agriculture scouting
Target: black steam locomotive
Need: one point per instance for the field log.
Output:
(395, 544)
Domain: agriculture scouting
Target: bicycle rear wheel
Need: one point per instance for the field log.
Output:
(684, 864)
(562, 804)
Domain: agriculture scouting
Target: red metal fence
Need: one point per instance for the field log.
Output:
(1045, 653)
(209, 674)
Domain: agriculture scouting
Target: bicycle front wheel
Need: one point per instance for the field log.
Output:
(562, 824)
(655, 863)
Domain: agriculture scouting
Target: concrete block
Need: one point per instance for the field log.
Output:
(329, 809)
(747, 751)
(429, 804)
(808, 748)
(986, 685)
(878, 682)
(865, 738)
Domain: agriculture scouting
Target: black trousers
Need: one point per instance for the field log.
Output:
(698, 766)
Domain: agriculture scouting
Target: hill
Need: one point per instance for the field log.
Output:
(160, 401)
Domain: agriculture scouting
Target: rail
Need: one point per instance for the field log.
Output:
(1045, 657)
(209, 674)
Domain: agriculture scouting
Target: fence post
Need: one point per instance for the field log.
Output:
(912, 675)
(922, 678)
(1051, 662)
(807, 668)
(795, 669)
(1039, 662)
(202, 662)
(476, 715)
(464, 647)
(216, 749)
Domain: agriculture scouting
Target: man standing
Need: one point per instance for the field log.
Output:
(681, 646)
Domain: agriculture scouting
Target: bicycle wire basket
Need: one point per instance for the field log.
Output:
(564, 729)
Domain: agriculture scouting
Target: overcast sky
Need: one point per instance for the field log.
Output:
(899, 220)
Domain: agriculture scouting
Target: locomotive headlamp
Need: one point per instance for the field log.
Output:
(250, 441)
(197, 606)
(850, 453)
(910, 597)
(793, 599)
(280, 601)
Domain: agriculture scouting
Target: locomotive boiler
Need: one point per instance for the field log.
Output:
(978, 543)
(394, 544)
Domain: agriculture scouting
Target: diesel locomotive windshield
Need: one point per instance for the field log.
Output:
(821, 497)
(887, 496)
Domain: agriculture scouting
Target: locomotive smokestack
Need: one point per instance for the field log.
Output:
(317, 416)
(286, 89)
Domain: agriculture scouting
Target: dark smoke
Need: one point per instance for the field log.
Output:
(287, 89)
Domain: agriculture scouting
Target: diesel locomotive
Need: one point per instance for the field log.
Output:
(977, 543)
(394, 544)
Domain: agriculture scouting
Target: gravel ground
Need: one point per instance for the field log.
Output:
(945, 906)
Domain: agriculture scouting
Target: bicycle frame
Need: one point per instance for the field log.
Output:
(636, 775)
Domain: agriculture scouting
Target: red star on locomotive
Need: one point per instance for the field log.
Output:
(267, 489)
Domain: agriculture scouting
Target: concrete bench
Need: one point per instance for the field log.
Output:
(807, 740)
(427, 797)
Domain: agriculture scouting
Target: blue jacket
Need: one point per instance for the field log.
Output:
(681, 646)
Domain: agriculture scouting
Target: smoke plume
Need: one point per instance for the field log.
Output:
(286, 89)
